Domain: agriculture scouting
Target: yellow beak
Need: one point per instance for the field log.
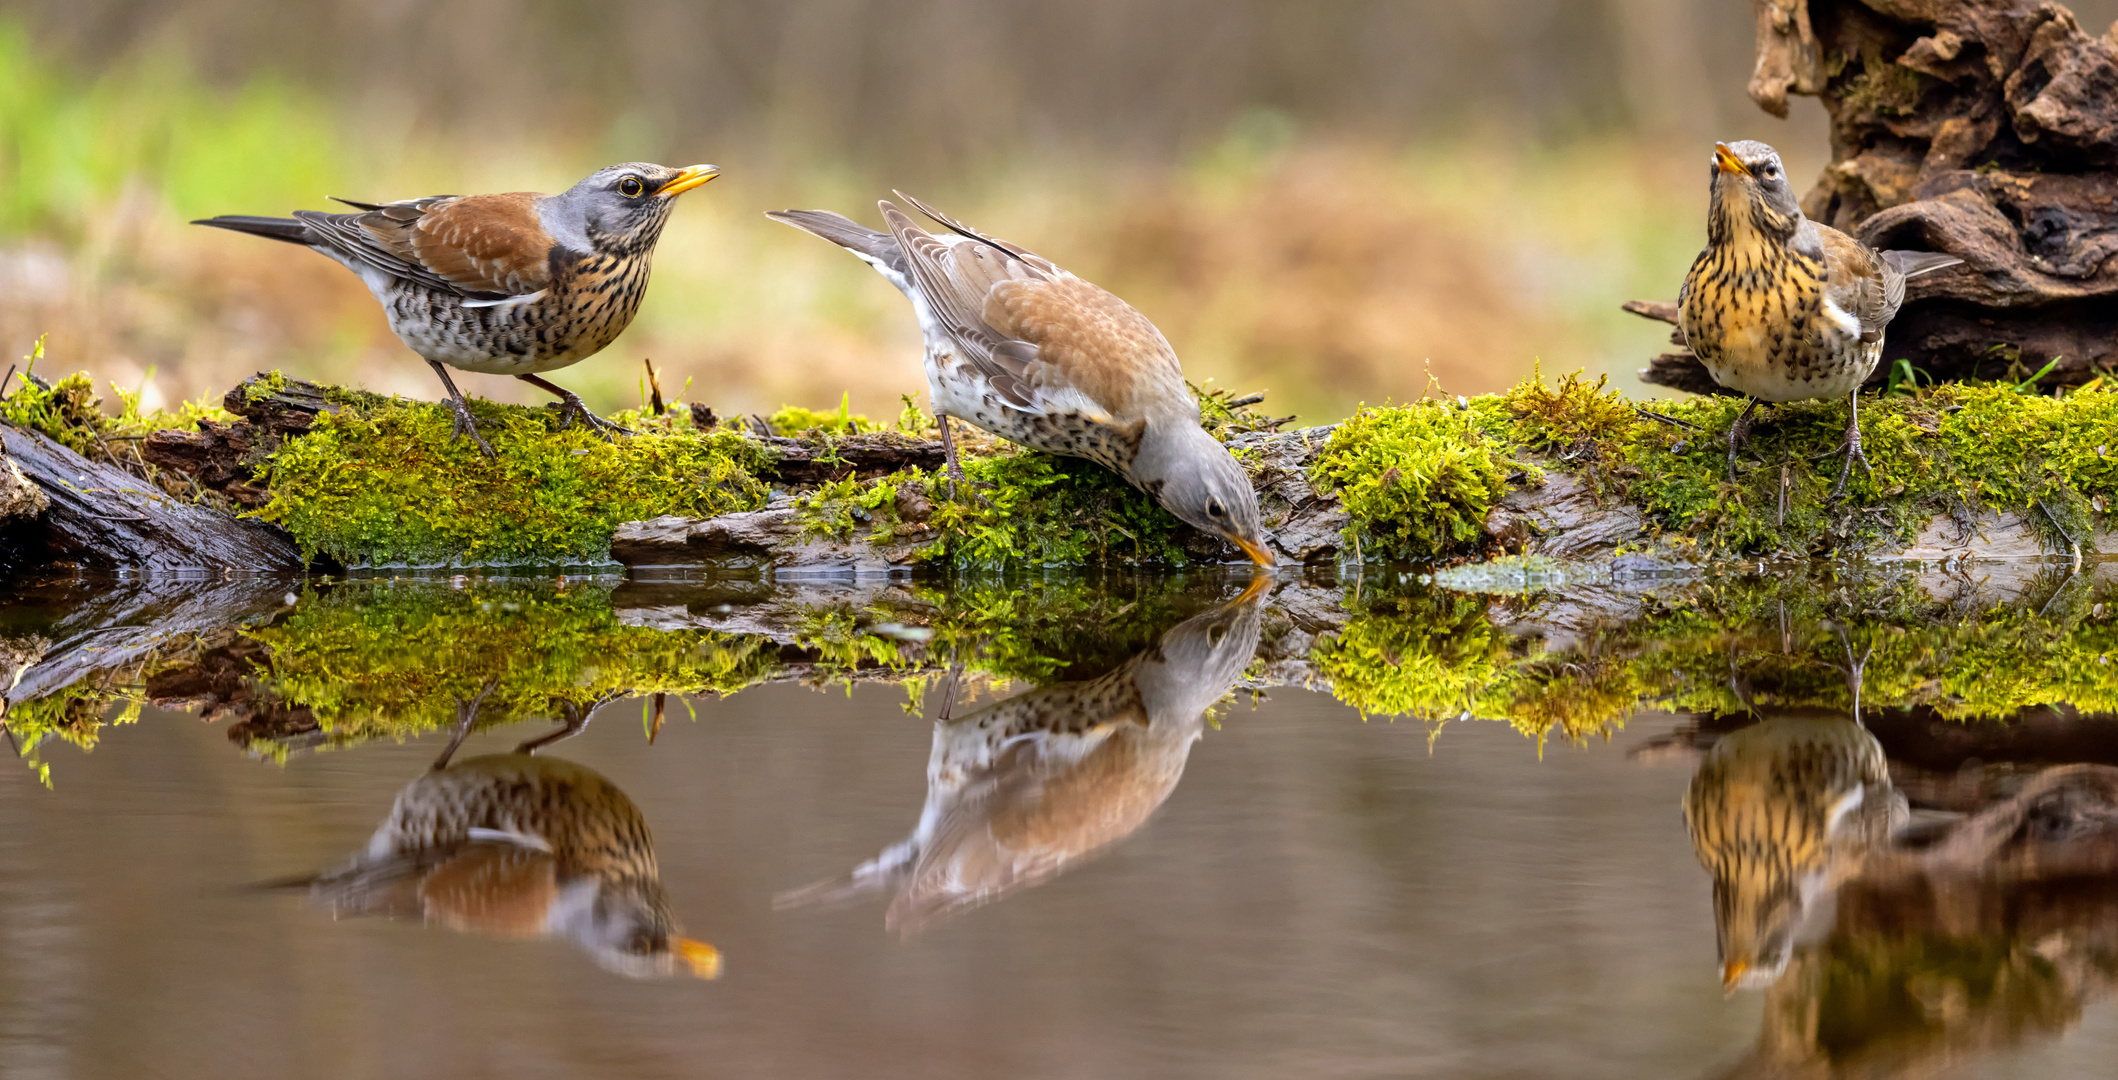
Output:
(1731, 974)
(1726, 160)
(688, 179)
(1257, 552)
(704, 960)
(1259, 585)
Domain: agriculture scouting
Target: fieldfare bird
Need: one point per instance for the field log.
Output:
(1033, 785)
(510, 284)
(1780, 308)
(521, 846)
(1024, 350)
(1778, 813)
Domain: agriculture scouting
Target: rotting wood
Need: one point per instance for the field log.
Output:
(1987, 129)
(101, 517)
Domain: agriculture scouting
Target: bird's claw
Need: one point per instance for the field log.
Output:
(464, 425)
(572, 406)
(1853, 454)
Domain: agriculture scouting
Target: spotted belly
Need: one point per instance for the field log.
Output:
(516, 339)
(958, 391)
(1783, 342)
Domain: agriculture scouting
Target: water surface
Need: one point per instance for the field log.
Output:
(1179, 852)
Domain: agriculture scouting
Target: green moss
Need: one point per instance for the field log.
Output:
(384, 483)
(1882, 87)
(1417, 479)
(793, 420)
(394, 659)
(71, 412)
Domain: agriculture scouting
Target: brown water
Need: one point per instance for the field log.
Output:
(1320, 896)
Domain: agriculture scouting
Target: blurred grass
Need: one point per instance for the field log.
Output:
(1331, 271)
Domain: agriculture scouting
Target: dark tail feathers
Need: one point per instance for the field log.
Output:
(272, 228)
(1914, 263)
(846, 233)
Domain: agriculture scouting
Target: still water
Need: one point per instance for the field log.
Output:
(1100, 829)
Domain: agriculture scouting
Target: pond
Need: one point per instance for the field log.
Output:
(1810, 820)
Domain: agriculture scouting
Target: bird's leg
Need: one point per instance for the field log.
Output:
(466, 717)
(1737, 432)
(571, 405)
(1853, 444)
(464, 424)
(948, 447)
(574, 717)
(948, 697)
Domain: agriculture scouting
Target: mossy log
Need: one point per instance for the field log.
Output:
(99, 517)
(1987, 129)
(1568, 470)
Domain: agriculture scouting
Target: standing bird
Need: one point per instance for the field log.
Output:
(521, 846)
(1028, 787)
(1024, 350)
(1780, 308)
(1777, 812)
(509, 284)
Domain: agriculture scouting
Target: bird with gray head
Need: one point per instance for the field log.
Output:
(1024, 350)
(521, 846)
(1028, 787)
(1780, 813)
(510, 284)
(1780, 308)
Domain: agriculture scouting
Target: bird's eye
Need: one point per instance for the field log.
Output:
(631, 187)
(1215, 509)
(641, 944)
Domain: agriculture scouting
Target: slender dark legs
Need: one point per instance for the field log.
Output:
(948, 446)
(462, 409)
(1737, 432)
(466, 718)
(1853, 444)
(571, 405)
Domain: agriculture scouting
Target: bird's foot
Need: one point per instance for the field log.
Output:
(1737, 433)
(1852, 447)
(464, 425)
(571, 406)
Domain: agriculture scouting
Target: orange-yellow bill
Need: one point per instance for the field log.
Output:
(1257, 553)
(704, 960)
(690, 178)
(1725, 159)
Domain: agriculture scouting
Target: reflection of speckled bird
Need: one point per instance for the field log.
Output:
(1773, 811)
(1024, 788)
(521, 846)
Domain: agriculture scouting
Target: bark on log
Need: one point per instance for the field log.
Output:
(1987, 129)
(101, 517)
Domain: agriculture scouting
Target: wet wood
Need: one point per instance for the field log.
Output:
(1987, 129)
(101, 517)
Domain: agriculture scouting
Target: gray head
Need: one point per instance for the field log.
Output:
(621, 208)
(1198, 660)
(1193, 476)
(1750, 189)
(627, 927)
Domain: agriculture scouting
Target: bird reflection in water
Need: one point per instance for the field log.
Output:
(523, 846)
(1779, 812)
(1024, 788)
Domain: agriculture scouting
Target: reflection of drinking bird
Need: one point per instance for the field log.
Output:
(521, 846)
(1773, 811)
(1024, 788)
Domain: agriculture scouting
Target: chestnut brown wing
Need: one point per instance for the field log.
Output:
(1858, 282)
(1041, 336)
(481, 247)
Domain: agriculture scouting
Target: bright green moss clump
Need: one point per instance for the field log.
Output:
(394, 659)
(385, 484)
(1418, 479)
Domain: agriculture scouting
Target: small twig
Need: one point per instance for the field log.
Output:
(654, 385)
(1247, 399)
(1671, 420)
(1782, 523)
(2073, 544)
(3, 381)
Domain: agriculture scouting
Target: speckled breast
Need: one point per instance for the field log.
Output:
(570, 323)
(1761, 328)
(958, 391)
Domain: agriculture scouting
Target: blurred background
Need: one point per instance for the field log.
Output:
(1334, 200)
